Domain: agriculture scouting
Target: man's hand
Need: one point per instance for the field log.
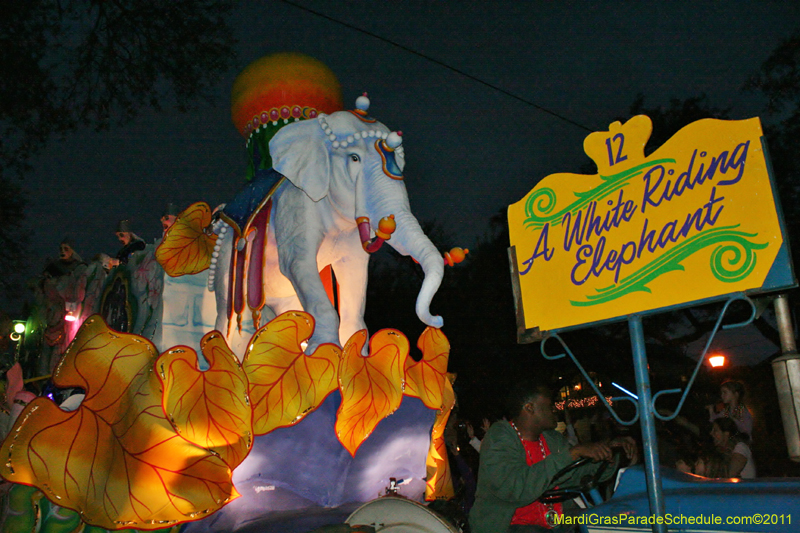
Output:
(601, 451)
(629, 446)
(596, 451)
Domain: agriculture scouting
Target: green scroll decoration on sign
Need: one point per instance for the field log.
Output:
(732, 260)
(541, 202)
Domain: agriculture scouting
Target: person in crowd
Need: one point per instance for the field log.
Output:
(474, 439)
(712, 463)
(732, 395)
(729, 440)
(569, 430)
(519, 460)
(686, 460)
(462, 459)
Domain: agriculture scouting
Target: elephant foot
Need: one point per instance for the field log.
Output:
(315, 342)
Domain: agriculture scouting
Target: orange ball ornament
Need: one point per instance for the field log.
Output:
(387, 225)
(455, 256)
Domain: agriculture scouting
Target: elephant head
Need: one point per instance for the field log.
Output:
(355, 164)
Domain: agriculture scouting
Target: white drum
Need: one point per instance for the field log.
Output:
(391, 514)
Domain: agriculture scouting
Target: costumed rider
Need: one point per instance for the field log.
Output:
(68, 260)
(171, 212)
(519, 460)
(130, 243)
(59, 294)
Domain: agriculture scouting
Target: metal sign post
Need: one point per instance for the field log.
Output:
(644, 402)
(649, 440)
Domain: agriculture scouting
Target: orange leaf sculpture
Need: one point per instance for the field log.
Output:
(186, 248)
(116, 459)
(286, 384)
(371, 387)
(439, 482)
(211, 408)
(425, 379)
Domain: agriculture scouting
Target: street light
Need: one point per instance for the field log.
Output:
(717, 361)
(19, 329)
(16, 336)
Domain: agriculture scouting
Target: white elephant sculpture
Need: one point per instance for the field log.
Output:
(343, 174)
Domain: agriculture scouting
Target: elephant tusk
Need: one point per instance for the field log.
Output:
(384, 232)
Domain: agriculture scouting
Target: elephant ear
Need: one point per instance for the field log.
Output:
(300, 153)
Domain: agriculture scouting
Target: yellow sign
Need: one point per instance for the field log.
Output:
(694, 220)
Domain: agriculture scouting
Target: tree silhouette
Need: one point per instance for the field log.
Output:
(97, 62)
(13, 241)
(779, 80)
(667, 120)
(66, 64)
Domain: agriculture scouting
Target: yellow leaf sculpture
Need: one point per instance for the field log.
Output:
(371, 387)
(116, 459)
(425, 379)
(186, 248)
(286, 384)
(211, 408)
(439, 482)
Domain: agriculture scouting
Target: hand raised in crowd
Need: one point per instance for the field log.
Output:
(485, 425)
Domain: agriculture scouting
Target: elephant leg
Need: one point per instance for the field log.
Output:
(299, 234)
(351, 270)
(280, 295)
(282, 305)
(314, 300)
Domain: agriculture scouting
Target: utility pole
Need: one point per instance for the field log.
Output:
(786, 370)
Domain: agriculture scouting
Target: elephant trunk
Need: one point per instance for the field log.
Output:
(409, 239)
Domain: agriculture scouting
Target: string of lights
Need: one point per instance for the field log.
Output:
(577, 403)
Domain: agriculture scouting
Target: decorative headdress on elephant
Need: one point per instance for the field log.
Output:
(274, 91)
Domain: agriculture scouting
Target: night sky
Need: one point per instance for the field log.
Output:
(470, 149)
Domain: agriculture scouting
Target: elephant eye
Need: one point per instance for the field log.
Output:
(355, 158)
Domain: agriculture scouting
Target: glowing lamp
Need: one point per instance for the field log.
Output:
(19, 328)
(717, 361)
(72, 309)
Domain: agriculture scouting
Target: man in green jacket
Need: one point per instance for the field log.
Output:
(519, 460)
